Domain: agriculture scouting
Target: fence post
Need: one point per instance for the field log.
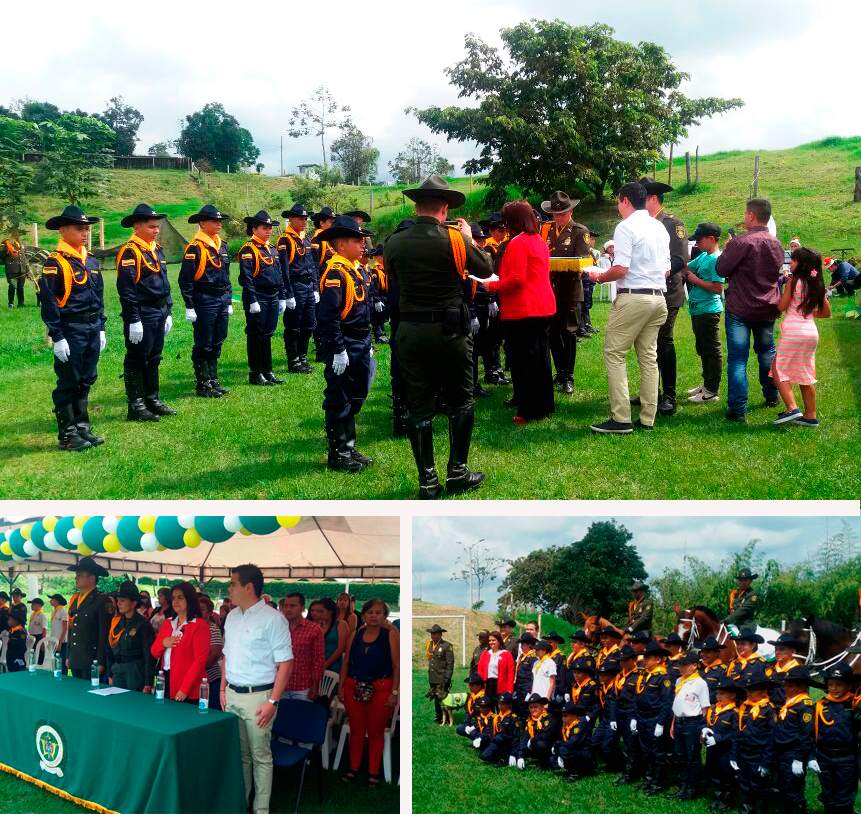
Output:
(90, 240)
(697, 165)
(857, 197)
(670, 167)
(101, 233)
(688, 166)
(755, 175)
(654, 169)
(36, 235)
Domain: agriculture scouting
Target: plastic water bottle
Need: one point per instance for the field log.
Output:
(31, 662)
(58, 667)
(203, 704)
(94, 675)
(159, 688)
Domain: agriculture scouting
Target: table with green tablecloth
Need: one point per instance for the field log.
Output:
(119, 753)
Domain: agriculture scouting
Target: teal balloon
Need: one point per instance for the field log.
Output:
(94, 534)
(169, 533)
(37, 535)
(260, 525)
(211, 528)
(4, 557)
(129, 534)
(16, 541)
(61, 530)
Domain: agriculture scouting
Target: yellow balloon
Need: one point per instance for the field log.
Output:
(84, 550)
(6, 548)
(147, 524)
(161, 548)
(245, 532)
(49, 523)
(191, 538)
(287, 522)
(80, 521)
(26, 530)
(111, 543)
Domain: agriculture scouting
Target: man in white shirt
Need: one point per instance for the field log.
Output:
(544, 671)
(689, 707)
(641, 249)
(258, 660)
(59, 622)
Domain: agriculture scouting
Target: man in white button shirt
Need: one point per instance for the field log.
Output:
(258, 660)
(641, 257)
(544, 671)
(689, 708)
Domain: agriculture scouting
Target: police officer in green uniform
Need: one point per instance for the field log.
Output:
(440, 668)
(639, 610)
(130, 661)
(483, 644)
(13, 258)
(743, 601)
(430, 262)
(89, 619)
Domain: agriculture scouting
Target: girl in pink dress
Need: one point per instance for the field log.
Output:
(804, 301)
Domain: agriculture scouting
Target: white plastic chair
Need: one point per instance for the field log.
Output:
(4, 646)
(327, 687)
(31, 642)
(49, 647)
(387, 742)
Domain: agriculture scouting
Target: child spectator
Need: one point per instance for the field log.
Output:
(718, 735)
(574, 749)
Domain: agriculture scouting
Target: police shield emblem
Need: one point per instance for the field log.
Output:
(51, 748)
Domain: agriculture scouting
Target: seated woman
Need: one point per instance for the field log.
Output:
(496, 667)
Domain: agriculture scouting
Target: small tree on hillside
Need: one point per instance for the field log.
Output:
(417, 161)
(479, 569)
(354, 153)
(161, 149)
(314, 116)
(215, 135)
(125, 121)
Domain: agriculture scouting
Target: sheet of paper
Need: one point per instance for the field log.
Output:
(492, 279)
(109, 691)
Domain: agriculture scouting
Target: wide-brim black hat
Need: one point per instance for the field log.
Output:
(57, 598)
(71, 216)
(801, 675)
(706, 230)
(262, 218)
(610, 631)
(90, 566)
(627, 652)
(4, 595)
(559, 202)
(585, 663)
(505, 698)
(610, 666)
(141, 212)
(478, 232)
(553, 636)
(353, 213)
(377, 251)
(688, 658)
(484, 701)
(343, 226)
(570, 708)
(19, 592)
(296, 211)
(208, 212)
(843, 672)
(527, 638)
(37, 601)
(760, 681)
(535, 698)
(745, 573)
(654, 649)
(325, 213)
(747, 635)
(726, 683)
(507, 623)
(787, 640)
(475, 678)
(639, 636)
(711, 643)
(580, 636)
(128, 590)
(636, 585)
(673, 638)
(436, 187)
(654, 187)
(436, 629)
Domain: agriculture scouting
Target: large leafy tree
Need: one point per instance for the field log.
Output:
(314, 116)
(215, 135)
(124, 120)
(16, 177)
(354, 154)
(416, 161)
(567, 106)
(33, 111)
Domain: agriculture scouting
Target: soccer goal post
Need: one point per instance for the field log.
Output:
(463, 633)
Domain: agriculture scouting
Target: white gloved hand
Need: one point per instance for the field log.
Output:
(254, 308)
(61, 350)
(633, 724)
(529, 744)
(521, 763)
(734, 765)
(135, 332)
(379, 306)
(469, 730)
(493, 309)
(710, 741)
(230, 310)
(168, 325)
(316, 297)
(763, 771)
(282, 306)
(475, 325)
(614, 726)
(340, 362)
(290, 302)
(512, 761)
(560, 762)
(567, 696)
(659, 730)
(797, 768)
(103, 341)
(476, 743)
(813, 765)
(190, 315)
(706, 732)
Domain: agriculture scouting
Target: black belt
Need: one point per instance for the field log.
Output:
(258, 688)
(355, 333)
(89, 316)
(423, 316)
(302, 278)
(843, 751)
(654, 291)
(124, 658)
(683, 718)
(215, 288)
(157, 302)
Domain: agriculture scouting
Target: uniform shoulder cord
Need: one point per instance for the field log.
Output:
(713, 712)
(114, 640)
(68, 277)
(820, 716)
(732, 595)
(458, 249)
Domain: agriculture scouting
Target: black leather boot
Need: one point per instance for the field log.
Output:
(292, 350)
(303, 353)
(134, 393)
(82, 421)
(266, 361)
(459, 478)
(570, 357)
(400, 417)
(152, 397)
(667, 370)
(67, 430)
(213, 378)
(201, 375)
(421, 441)
(252, 350)
(340, 459)
(350, 433)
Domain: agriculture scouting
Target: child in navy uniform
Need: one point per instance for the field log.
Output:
(718, 735)
(504, 746)
(538, 734)
(476, 690)
(483, 724)
(573, 751)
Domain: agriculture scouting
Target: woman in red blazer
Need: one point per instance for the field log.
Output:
(496, 667)
(526, 304)
(184, 643)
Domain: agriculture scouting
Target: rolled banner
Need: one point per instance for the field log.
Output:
(94, 534)
(211, 528)
(260, 524)
(61, 533)
(129, 533)
(169, 532)
(37, 536)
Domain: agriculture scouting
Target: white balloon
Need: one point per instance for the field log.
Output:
(51, 542)
(30, 548)
(16, 558)
(123, 548)
(232, 523)
(185, 520)
(149, 542)
(109, 524)
(75, 536)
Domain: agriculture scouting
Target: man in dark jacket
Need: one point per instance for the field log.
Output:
(88, 620)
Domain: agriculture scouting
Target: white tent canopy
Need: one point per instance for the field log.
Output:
(366, 548)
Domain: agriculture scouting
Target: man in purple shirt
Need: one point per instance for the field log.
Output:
(751, 265)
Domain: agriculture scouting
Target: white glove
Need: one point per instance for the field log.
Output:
(763, 771)
(282, 306)
(136, 332)
(476, 743)
(734, 765)
(493, 309)
(659, 730)
(230, 310)
(588, 718)
(560, 762)
(521, 763)
(512, 761)
(103, 341)
(316, 297)
(475, 325)
(567, 696)
(168, 325)
(379, 306)
(710, 741)
(614, 726)
(813, 765)
(469, 730)
(706, 732)
(529, 744)
(797, 768)
(61, 350)
(633, 724)
(290, 302)
(340, 362)
(190, 315)
(254, 308)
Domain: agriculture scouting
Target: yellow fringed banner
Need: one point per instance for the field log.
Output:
(59, 792)
(571, 263)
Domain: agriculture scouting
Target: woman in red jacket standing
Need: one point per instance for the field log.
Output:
(184, 643)
(526, 304)
(496, 667)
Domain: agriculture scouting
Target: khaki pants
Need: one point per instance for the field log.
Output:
(634, 322)
(254, 743)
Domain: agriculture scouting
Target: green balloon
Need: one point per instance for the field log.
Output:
(211, 528)
(62, 529)
(94, 534)
(37, 535)
(260, 524)
(16, 541)
(129, 533)
(4, 557)
(169, 533)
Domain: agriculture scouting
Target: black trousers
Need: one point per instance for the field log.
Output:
(630, 739)
(540, 751)
(605, 742)
(149, 350)
(78, 374)
(791, 786)
(528, 354)
(210, 327)
(16, 284)
(345, 394)
(706, 329)
(500, 747)
(718, 771)
(490, 689)
(667, 354)
(838, 779)
(299, 322)
(686, 736)
(259, 330)
(653, 747)
(750, 779)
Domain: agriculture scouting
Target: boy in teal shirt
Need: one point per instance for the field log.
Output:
(704, 302)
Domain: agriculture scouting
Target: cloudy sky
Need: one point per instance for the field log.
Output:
(790, 60)
(660, 541)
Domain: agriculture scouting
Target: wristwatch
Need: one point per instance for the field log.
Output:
(274, 702)
(395, 692)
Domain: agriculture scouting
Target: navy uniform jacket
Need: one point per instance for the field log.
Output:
(712, 674)
(260, 270)
(297, 260)
(4, 618)
(607, 702)
(740, 670)
(586, 696)
(575, 739)
(833, 727)
(134, 639)
(345, 304)
(322, 251)
(754, 740)
(653, 697)
(523, 676)
(16, 647)
(777, 673)
(541, 729)
(722, 719)
(141, 278)
(70, 285)
(484, 726)
(624, 692)
(206, 266)
(379, 281)
(558, 658)
(18, 612)
(470, 708)
(506, 727)
(793, 731)
(673, 669)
